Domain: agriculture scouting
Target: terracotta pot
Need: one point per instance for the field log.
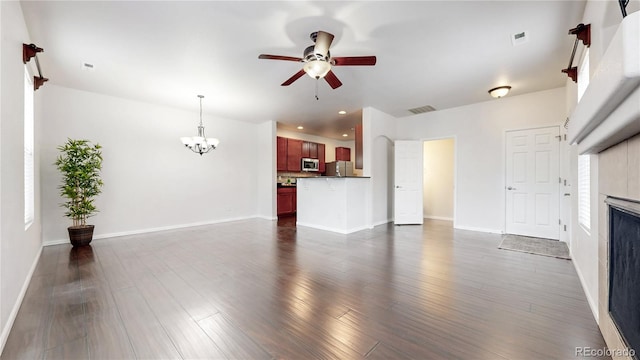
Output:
(80, 235)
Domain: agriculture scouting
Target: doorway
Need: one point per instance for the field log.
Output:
(439, 179)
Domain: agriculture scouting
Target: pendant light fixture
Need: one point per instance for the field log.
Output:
(200, 144)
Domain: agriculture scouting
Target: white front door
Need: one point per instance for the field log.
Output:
(532, 182)
(407, 207)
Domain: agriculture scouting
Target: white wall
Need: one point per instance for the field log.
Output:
(438, 179)
(266, 166)
(19, 248)
(151, 181)
(479, 130)
(604, 17)
(378, 135)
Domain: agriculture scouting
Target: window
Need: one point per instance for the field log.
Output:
(29, 176)
(584, 191)
(583, 74)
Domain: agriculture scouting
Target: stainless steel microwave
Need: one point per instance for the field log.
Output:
(310, 164)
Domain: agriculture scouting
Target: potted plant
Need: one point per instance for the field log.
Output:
(79, 163)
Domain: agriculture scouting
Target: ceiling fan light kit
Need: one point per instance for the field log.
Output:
(500, 91)
(317, 69)
(318, 61)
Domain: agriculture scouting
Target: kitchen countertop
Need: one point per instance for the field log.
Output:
(336, 177)
(293, 185)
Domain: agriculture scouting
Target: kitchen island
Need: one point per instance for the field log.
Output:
(334, 203)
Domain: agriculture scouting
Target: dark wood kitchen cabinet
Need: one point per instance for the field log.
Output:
(291, 151)
(287, 201)
(309, 150)
(313, 150)
(359, 151)
(343, 154)
(321, 158)
(294, 155)
(282, 154)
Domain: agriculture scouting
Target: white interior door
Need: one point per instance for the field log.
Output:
(532, 182)
(407, 207)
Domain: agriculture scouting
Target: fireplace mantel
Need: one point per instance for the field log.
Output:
(609, 110)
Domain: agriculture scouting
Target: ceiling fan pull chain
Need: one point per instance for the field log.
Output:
(317, 98)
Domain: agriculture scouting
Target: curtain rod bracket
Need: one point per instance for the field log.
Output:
(583, 33)
(29, 51)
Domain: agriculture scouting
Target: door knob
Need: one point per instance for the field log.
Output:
(511, 188)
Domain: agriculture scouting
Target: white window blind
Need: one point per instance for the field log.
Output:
(29, 176)
(584, 191)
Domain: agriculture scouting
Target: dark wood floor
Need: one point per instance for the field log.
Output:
(253, 290)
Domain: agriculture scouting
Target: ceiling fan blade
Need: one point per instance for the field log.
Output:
(323, 42)
(295, 77)
(333, 80)
(354, 60)
(279, 57)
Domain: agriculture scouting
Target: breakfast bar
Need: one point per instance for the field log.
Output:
(334, 203)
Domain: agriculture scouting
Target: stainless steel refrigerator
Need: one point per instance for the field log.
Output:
(339, 168)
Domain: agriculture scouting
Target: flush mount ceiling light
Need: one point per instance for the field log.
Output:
(200, 144)
(342, 112)
(500, 91)
(300, 127)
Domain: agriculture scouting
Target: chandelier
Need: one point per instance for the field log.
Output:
(200, 144)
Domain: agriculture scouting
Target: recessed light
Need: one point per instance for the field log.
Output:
(342, 112)
(345, 135)
(300, 127)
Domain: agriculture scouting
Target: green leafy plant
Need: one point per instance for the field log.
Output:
(79, 163)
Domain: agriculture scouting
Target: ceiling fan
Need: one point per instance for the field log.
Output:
(318, 61)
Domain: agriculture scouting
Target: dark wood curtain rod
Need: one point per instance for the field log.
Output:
(28, 52)
(582, 33)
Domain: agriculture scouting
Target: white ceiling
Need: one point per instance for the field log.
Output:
(439, 53)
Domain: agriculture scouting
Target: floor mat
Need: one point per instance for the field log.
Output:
(531, 245)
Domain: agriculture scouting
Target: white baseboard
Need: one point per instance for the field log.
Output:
(16, 307)
(151, 230)
(266, 217)
(439, 218)
(383, 222)
(324, 228)
(592, 304)
(485, 230)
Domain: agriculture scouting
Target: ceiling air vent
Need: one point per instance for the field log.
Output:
(519, 38)
(422, 109)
